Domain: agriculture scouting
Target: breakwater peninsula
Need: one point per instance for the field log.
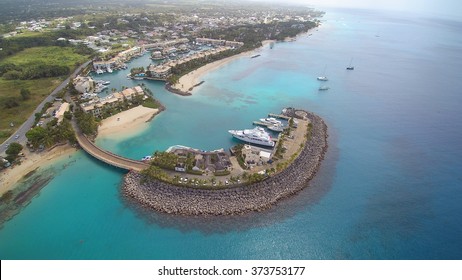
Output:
(237, 199)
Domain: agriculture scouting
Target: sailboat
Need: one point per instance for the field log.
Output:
(322, 78)
(350, 67)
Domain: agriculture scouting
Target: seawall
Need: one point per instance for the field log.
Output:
(168, 198)
(170, 88)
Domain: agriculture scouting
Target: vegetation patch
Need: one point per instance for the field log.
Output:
(40, 62)
(10, 94)
(19, 94)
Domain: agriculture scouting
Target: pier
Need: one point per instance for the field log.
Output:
(278, 116)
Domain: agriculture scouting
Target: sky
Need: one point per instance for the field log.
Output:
(450, 8)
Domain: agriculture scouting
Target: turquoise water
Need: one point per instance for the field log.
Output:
(390, 187)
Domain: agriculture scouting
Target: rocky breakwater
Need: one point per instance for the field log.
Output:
(168, 198)
(172, 89)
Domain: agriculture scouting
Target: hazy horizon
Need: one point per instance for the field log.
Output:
(441, 8)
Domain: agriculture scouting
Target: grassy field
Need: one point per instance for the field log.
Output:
(39, 88)
(63, 56)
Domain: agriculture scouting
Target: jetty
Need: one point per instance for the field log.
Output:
(279, 116)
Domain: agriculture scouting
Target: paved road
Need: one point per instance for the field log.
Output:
(21, 131)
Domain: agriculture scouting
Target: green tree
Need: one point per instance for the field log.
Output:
(36, 135)
(13, 151)
(154, 172)
(25, 93)
(68, 115)
(87, 123)
(10, 102)
(37, 116)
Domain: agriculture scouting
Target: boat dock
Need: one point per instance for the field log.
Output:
(278, 116)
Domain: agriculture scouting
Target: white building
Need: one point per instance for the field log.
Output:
(84, 84)
(61, 110)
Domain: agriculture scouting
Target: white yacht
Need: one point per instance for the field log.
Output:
(276, 127)
(256, 136)
(109, 69)
(272, 121)
(322, 78)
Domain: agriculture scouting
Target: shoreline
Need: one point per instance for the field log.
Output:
(237, 200)
(29, 164)
(189, 81)
(128, 122)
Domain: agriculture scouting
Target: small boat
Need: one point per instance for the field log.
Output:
(146, 158)
(276, 127)
(323, 78)
(100, 88)
(324, 88)
(350, 67)
(254, 56)
(272, 121)
(99, 71)
(102, 82)
(109, 70)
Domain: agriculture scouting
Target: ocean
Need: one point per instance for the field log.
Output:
(389, 188)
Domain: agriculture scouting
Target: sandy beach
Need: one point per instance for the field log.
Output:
(30, 162)
(127, 122)
(188, 81)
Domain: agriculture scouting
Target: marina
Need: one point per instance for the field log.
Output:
(380, 197)
(188, 198)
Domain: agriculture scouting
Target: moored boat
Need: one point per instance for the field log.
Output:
(272, 121)
(276, 127)
(256, 136)
(350, 67)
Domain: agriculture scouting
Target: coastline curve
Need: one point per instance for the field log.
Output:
(171, 199)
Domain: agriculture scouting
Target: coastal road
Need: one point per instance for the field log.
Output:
(19, 135)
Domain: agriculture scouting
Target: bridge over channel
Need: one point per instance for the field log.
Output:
(108, 157)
